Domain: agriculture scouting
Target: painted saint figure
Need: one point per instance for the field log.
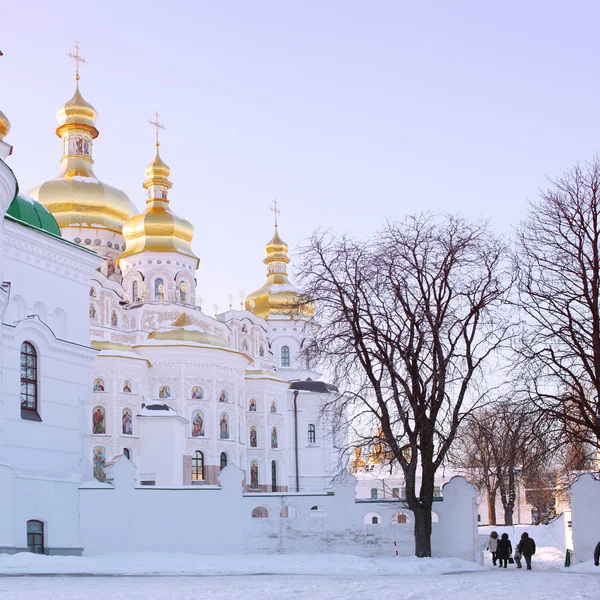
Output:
(261, 351)
(113, 319)
(274, 437)
(98, 385)
(273, 407)
(224, 427)
(254, 475)
(197, 424)
(98, 422)
(253, 437)
(127, 386)
(164, 392)
(92, 292)
(127, 422)
(92, 311)
(252, 406)
(224, 397)
(99, 462)
(197, 393)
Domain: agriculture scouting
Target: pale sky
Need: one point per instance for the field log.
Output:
(346, 111)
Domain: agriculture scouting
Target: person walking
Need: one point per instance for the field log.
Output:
(518, 556)
(597, 555)
(527, 548)
(493, 545)
(504, 550)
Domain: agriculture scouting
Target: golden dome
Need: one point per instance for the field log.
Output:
(278, 296)
(76, 198)
(357, 462)
(183, 330)
(157, 229)
(77, 112)
(4, 125)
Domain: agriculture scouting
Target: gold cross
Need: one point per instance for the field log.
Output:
(156, 125)
(77, 58)
(276, 212)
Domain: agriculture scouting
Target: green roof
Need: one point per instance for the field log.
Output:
(30, 212)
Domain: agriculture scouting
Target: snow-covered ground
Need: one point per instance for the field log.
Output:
(289, 577)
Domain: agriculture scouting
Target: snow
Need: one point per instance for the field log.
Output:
(85, 179)
(154, 563)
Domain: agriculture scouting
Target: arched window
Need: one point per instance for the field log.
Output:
(223, 460)
(312, 434)
(198, 466)
(396, 492)
(273, 476)
(35, 537)
(29, 377)
(183, 292)
(159, 289)
(285, 356)
(135, 296)
(127, 453)
(374, 520)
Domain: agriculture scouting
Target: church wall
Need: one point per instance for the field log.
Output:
(219, 520)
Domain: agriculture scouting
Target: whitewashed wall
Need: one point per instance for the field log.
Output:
(585, 500)
(218, 520)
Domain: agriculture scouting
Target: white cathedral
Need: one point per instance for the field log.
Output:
(106, 354)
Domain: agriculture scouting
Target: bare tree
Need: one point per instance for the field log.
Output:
(409, 322)
(558, 271)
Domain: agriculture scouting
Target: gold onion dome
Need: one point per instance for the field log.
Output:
(4, 125)
(278, 296)
(157, 229)
(76, 197)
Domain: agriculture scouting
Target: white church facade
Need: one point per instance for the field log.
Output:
(121, 399)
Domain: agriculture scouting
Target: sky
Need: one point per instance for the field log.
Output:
(347, 112)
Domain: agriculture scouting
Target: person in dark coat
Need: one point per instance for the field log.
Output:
(597, 555)
(527, 548)
(504, 550)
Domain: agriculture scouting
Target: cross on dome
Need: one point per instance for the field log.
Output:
(275, 210)
(77, 58)
(156, 126)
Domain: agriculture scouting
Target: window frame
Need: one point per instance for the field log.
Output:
(198, 465)
(28, 412)
(273, 475)
(221, 461)
(35, 534)
(312, 434)
(285, 356)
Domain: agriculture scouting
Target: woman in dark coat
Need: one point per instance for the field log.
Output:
(504, 550)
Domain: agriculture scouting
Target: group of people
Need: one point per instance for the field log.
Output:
(502, 550)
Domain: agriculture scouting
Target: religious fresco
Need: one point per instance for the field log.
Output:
(273, 406)
(274, 437)
(261, 351)
(245, 346)
(92, 292)
(254, 474)
(183, 292)
(197, 393)
(224, 396)
(79, 146)
(98, 420)
(127, 386)
(252, 407)
(164, 392)
(92, 311)
(224, 427)
(99, 463)
(110, 267)
(98, 385)
(127, 422)
(197, 424)
(253, 437)
(113, 319)
(244, 328)
(159, 289)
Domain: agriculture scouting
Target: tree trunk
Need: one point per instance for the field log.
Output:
(423, 530)
(491, 499)
(508, 515)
